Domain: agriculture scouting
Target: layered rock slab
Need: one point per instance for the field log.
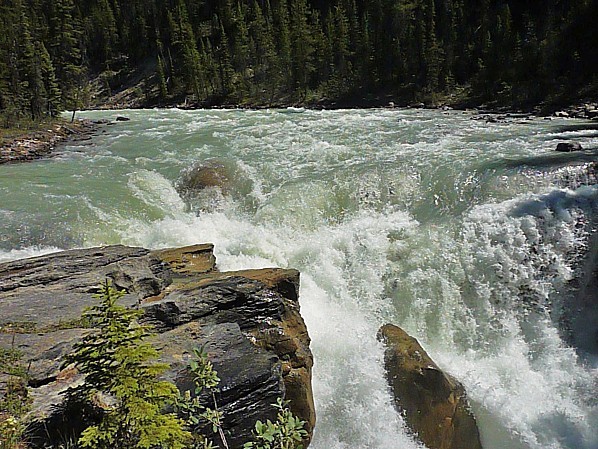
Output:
(433, 403)
(247, 321)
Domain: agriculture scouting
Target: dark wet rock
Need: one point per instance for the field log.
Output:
(587, 110)
(567, 147)
(490, 118)
(120, 118)
(433, 403)
(247, 321)
(250, 377)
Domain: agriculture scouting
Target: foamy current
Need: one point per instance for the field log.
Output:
(469, 235)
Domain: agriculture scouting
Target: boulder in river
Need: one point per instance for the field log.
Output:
(204, 186)
(433, 403)
(567, 147)
(247, 321)
(211, 174)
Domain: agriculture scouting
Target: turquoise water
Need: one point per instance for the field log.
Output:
(465, 233)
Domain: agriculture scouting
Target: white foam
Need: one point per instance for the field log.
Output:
(155, 190)
(25, 253)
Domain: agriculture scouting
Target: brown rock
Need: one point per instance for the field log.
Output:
(285, 282)
(195, 259)
(434, 404)
(202, 176)
(287, 336)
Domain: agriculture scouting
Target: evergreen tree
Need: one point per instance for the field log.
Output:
(432, 53)
(223, 58)
(183, 39)
(118, 362)
(240, 51)
(281, 22)
(266, 77)
(161, 72)
(52, 88)
(301, 46)
(65, 38)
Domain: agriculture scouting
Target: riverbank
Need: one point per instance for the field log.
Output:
(18, 145)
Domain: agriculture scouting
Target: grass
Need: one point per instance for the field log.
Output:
(30, 327)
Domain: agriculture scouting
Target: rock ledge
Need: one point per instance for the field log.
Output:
(247, 321)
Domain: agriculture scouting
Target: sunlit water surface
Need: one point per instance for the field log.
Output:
(465, 233)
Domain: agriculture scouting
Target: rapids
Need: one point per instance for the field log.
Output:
(469, 235)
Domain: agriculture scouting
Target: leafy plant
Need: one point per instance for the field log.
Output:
(11, 432)
(287, 432)
(122, 379)
(190, 408)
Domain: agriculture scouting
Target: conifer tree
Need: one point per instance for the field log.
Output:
(31, 85)
(52, 88)
(280, 49)
(301, 46)
(118, 363)
(184, 42)
(65, 38)
(102, 33)
(223, 58)
(240, 50)
(432, 57)
(280, 13)
(266, 76)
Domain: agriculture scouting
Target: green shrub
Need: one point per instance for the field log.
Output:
(192, 411)
(287, 432)
(122, 379)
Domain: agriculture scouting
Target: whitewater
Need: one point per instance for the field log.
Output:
(471, 235)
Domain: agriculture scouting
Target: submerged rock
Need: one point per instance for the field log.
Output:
(247, 321)
(433, 403)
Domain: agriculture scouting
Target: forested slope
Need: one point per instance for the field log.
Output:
(262, 52)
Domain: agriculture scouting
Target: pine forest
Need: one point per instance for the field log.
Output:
(60, 55)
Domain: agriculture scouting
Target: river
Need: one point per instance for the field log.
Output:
(467, 234)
